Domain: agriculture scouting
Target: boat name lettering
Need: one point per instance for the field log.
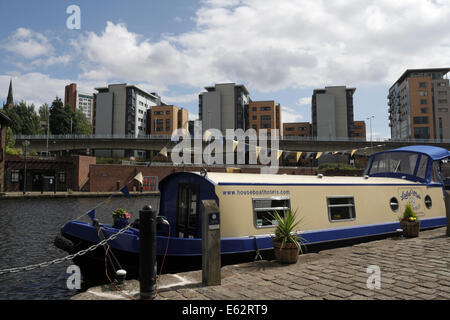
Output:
(410, 193)
(255, 192)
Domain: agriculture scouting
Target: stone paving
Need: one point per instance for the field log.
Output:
(411, 269)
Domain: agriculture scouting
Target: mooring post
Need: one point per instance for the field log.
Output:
(147, 256)
(447, 211)
(211, 262)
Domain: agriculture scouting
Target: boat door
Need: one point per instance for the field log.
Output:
(187, 211)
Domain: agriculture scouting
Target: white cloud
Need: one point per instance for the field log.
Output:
(28, 44)
(272, 45)
(306, 101)
(290, 115)
(33, 88)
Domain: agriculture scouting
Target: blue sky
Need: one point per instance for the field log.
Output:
(281, 50)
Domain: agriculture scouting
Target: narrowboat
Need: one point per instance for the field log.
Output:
(331, 208)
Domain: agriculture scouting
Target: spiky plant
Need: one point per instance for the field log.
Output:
(285, 228)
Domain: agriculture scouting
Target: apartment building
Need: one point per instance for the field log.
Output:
(297, 129)
(359, 130)
(121, 109)
(419, 103)
(264, 115)
(78, 100)
(224, 106)
(166, 119)
(332, 112)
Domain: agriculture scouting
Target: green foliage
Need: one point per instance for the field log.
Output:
(81, 124)
(120, 213)
(337, 166)
(408, 213)
(285, 228)
(65, 121)
(24, 119)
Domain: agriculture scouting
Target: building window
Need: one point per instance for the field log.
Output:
(15, 176)
(420, 120)
(422, 84)
(423, 101)
(290, 129)
(442, 84)
(168, 112)
(341, 208)
(423, 93)
(254, 117)
(423, 110)
(422, 133)
(62, 177)
(443, 101)
(265, 109)
(442, 92)
(264, 208)
(265, 118)
(443, 109)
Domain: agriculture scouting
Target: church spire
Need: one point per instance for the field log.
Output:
(9, 99)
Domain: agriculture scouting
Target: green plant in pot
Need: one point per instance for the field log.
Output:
(286, 244)
(121, 218)
(409, 222)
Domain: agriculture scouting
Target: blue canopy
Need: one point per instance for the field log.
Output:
(436, 153)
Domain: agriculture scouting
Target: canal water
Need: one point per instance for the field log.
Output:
(28, 228)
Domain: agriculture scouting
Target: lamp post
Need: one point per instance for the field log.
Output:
(370, 118)
(25, 144)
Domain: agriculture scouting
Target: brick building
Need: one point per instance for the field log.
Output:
(264, 115)
(297, 129)
(47, 174)
(166, 119)
(4, 123)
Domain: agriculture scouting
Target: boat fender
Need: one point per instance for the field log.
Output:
(63, 243)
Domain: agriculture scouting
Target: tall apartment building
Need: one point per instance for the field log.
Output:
(296, 129)
(223, 106)
(121, 109)
(166, 119)
(264, 115)
(81, 101)
(332, 112)
(419, 103)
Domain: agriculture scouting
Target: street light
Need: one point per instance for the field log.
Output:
(370, 118)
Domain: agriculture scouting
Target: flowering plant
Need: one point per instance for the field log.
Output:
(121, 213)
(409, 214)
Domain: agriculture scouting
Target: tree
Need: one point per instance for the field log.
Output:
(59, 118)
(82, 125)
(10, 142)
(24, 119)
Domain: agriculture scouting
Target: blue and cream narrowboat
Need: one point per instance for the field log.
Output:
(331, 208)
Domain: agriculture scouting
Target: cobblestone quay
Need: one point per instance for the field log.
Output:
(394, 268)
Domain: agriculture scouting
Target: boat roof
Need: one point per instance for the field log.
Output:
(435, 153)
(221, 178)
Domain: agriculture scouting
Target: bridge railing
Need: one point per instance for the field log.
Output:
(168, 137)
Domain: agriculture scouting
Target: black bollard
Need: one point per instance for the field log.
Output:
(147, 256)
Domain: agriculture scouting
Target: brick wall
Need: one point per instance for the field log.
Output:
(104, 177)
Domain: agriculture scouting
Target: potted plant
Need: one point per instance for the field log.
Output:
(121, 218)
(286, 244)
(409, 222)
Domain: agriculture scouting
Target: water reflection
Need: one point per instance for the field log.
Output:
(27, 230)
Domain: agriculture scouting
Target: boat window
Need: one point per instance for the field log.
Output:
(394, 162)
(428, 202)
(422, 169)
(341, 208)
(436, 173)
(264, 208)
(394, 204)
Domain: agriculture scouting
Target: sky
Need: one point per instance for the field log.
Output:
(279, 49)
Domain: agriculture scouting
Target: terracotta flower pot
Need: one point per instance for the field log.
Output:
(288, 254)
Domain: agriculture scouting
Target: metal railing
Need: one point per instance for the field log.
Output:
(168, 137)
